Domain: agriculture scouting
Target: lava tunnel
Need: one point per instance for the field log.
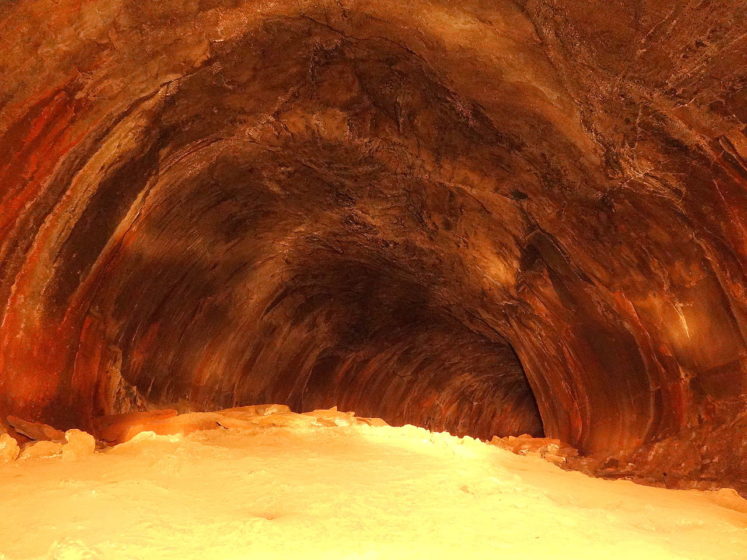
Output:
(488, 218)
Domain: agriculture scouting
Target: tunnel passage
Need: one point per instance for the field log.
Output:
(291, 260)
(487, 219)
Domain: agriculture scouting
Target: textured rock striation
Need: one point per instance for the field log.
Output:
(486, 217)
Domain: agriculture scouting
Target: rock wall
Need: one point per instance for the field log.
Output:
(487, 217)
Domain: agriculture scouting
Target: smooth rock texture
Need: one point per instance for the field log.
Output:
(491, 218)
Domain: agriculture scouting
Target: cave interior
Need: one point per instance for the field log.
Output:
(486, 218)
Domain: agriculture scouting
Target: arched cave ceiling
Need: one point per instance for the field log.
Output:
(487, 217)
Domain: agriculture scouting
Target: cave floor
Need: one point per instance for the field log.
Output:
(346, 492)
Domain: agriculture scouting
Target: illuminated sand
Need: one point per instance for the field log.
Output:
(346, 492)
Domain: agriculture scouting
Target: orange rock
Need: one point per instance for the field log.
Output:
(79, 444)
(36, 430)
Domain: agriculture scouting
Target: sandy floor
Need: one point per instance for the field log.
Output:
(346, 492)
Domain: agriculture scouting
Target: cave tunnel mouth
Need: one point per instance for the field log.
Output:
(270, 193)
(346, 333)
(389, 307)
(347, 285)
(382, 72)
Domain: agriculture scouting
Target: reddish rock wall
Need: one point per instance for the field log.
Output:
(486, 217)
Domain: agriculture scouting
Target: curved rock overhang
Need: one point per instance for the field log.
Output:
(486, 217)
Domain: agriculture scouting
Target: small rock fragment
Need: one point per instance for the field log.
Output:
(79, 444)
(9, 449)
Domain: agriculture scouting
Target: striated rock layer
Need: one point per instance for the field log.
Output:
(485, 217)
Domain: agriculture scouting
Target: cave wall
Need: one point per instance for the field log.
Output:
(486, 217)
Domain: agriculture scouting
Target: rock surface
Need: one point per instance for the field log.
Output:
(79, 444)
(9, 449)
(493, 218)
(37, 431)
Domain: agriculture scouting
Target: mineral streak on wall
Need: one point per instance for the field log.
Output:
(486, 217)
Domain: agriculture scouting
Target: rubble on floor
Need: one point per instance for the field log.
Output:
(550, 449)
(47, 441)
